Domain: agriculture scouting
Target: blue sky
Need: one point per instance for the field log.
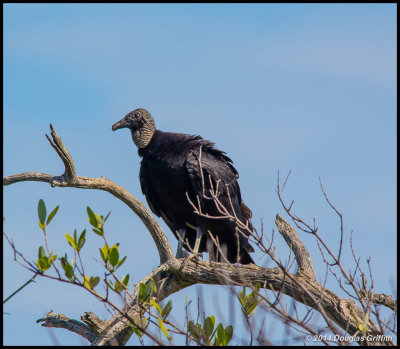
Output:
(309, 88)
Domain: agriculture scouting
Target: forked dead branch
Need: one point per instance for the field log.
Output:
(352, 316)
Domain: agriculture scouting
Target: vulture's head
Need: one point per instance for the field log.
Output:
(141, 124)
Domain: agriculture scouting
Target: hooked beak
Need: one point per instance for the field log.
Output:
(120, 124)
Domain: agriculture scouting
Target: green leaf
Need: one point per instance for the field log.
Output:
(113, 255)
(194, 330)
(109, 284)
(242, 297)
(93, 281)
(154, 287)
(139, 321)
(156, 306)
(107, 216)
(249, 302)
(104, 253)
(252, 302)
(42, 252)
(86, 282)
(100, 221)
(92, 217)
(162, 327)
(118, 287)
(81, 240)
(251, 307)
(68, 269)
(228, 334)
(70, 240)
(98, 231)
(42, 226)
(125, 280)
(145, 291)
(364, 326)
(167, 309)
(220, 333)
(209, 324)
(120, 262)
(43, 263)
(52, 214)
(42, 211)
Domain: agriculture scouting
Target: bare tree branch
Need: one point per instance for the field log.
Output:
(175, 274)
(70, 179)
(53, 319)
(63, 153)
(302, 256)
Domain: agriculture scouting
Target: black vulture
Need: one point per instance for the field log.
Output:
(179, 172)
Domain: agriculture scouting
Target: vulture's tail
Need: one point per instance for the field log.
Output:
(247, 214)
(245, 258)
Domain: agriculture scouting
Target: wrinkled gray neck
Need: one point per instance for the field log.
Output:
(142, 136)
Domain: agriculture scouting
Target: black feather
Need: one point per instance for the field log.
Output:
(176, 167)
(170, 168)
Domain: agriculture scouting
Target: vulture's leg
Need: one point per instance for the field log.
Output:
(198, 239)
(195, 252)
(180, 253)
(211, 251)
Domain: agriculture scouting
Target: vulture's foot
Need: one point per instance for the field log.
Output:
(195, 255)
(182, 254)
